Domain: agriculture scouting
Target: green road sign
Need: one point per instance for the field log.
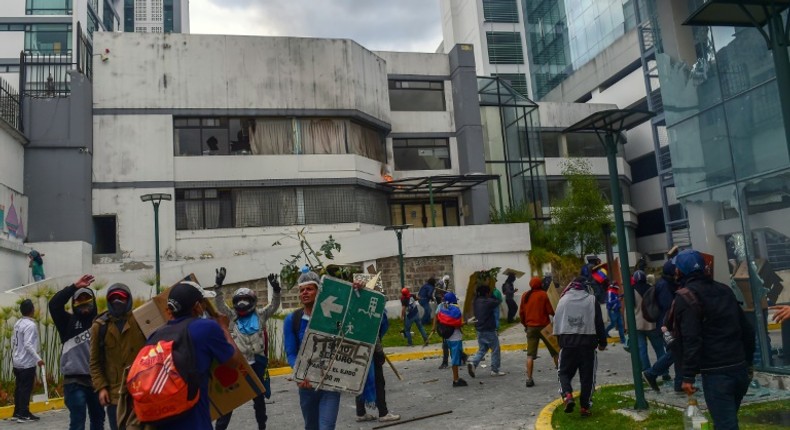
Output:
(341, 310)
(338, 345)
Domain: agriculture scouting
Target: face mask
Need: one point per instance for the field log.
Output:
(118, 308)
(84, 310)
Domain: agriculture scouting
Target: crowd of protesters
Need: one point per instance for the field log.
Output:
(700, 329)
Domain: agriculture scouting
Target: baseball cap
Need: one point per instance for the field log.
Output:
(689, 261)
(183, 296)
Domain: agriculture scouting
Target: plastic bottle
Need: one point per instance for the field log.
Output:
(693, 418)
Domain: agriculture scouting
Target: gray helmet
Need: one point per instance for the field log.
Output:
(244, 301)
(309, 278)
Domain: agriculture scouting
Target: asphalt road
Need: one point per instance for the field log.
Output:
(487, 403)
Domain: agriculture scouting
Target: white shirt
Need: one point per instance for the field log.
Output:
(24, 344)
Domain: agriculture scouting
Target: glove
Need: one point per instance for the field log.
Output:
(220, 278)
(275, 284)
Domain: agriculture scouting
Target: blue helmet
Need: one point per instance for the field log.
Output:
(669, 268)
(689, 261)
(639, 276)
(450, 298)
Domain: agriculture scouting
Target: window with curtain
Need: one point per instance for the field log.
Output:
(200, 209)
(271, 136)
(48, 38)
(366, 142)
(322, 136)
(262, 207)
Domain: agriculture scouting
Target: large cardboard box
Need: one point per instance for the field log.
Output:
(548, 334)
(229, 386)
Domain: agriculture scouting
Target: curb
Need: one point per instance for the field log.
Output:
(544, 417)
(35, 407)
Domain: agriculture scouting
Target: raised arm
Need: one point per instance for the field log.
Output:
(267, 312)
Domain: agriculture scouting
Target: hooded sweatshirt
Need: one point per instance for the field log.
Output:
(75, 335)
(578, 321)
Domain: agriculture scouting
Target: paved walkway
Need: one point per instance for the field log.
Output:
(488, 402)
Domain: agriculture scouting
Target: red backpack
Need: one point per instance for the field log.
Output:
(163, 380)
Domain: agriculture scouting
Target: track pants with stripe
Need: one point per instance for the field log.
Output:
(583, 360)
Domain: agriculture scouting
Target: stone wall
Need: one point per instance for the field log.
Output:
(416, 271)
(290, 299)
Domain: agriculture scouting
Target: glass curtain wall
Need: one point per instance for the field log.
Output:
(513, 147)
(731, 166)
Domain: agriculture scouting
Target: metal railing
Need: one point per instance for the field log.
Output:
(46, 74)
(9, 105)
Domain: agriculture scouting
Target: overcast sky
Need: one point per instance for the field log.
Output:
(380, 25)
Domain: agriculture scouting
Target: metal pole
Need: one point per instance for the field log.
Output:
(499, 193)
(399, 234)
(622, 249)
(430, 196)
(779, 45)
(156, 242)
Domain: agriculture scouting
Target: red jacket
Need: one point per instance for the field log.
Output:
(535, 310)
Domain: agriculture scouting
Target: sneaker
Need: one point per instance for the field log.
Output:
(470, 367)
(651, 381)
(460, 383)
(30, 418)
(666, 378)
(389, 417)
(366, 417)
(530, 382)
(569, 403)
(498, 373)
(585, 412)
(443, 366)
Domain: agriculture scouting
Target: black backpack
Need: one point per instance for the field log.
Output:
(651, 312)
(444, 330)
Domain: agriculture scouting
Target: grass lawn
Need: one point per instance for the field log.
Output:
(395, 338)
(608, 399)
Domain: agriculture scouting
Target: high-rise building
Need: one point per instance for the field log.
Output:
(156, 16)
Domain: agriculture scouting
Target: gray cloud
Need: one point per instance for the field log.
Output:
(402, 25)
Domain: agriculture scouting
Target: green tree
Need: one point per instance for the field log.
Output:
(578, 217)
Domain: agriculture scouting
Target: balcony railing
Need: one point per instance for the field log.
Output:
(9, 105)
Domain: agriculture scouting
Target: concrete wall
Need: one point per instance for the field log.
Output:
(164, 71)
(58, 165)
(13, 265)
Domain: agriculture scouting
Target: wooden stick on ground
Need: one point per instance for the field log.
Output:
(412, 419)
(392, 366)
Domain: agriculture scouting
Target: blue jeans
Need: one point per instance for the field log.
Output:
(487, 340)
(37, 278)
(79, 397)
(407, 328)
(112, 416)
(723, 395)
(616, 320)
(654, 336)
(426, 307)
(661, 367)
(319, 408)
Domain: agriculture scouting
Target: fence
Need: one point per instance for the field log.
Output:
(9, 105)
(46, 74)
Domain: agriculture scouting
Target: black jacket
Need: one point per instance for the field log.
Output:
(484, 312)
(715, 335)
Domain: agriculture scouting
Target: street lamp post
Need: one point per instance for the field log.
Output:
(398, 229)
(156, 199)
(606, 124)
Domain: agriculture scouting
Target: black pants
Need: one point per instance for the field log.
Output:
(258, 403)
(583, 360)
(512, 308)
(24, 387)
(446, 353)
(381, 399)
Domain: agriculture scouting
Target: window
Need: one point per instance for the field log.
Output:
(500, 11)
(168, 16)
(48, 7)
(550, 141)
(587, 145)
(416, 95)
(504, 47)
(605, 186)
(517, 81)
(105, 234)
(128, 16)
(203, 209)
(418, 213)
(93, 23)
(108, 19)
(421, 154)
(650, 223)
(198, 209)
(276, 136)
(48, 38)
(644, 168)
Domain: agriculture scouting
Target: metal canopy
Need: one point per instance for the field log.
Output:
(736, 13)
(611, 121)
(439, 184)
